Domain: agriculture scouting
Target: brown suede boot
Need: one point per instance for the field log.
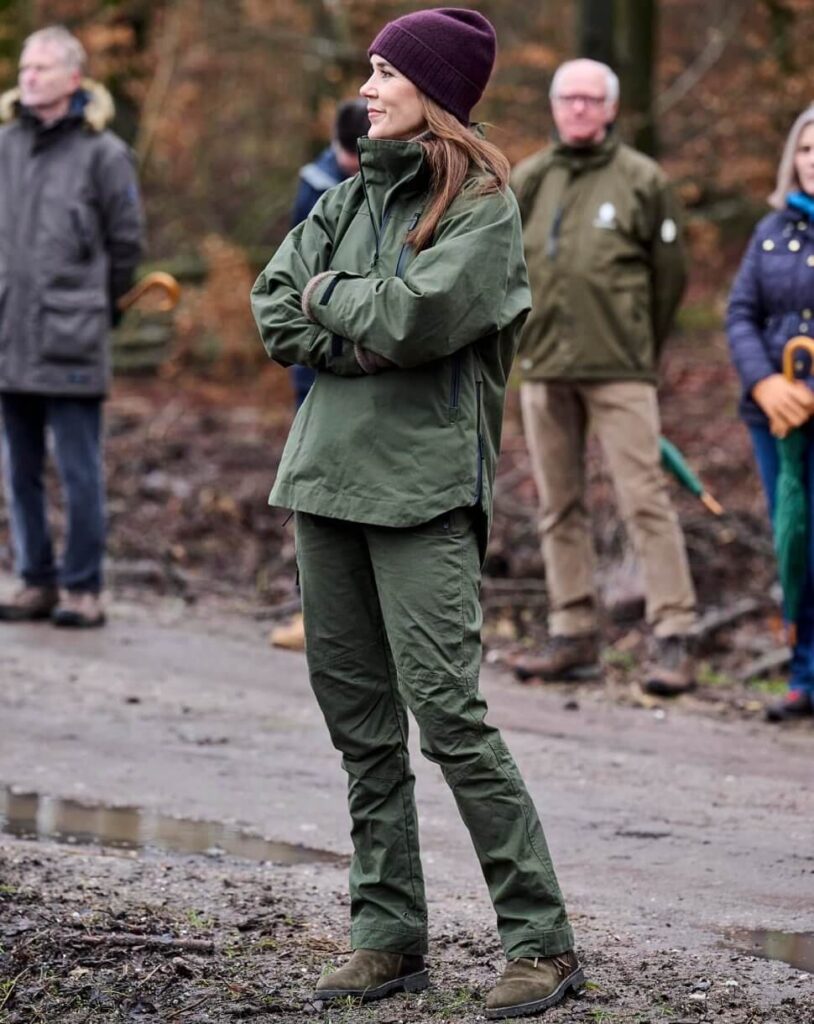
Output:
(533, 985)
(671, 668)
(565, 658)
(78, 609)
(29, 604)
(373, 974)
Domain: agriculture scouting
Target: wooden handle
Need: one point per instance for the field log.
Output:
(158, 279)
(790, 349)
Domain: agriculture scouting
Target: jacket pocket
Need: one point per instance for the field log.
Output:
(74, 326)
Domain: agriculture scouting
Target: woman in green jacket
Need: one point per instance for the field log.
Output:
(405, 290)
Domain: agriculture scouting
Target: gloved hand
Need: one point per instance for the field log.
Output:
(787, 403)
(371, 362)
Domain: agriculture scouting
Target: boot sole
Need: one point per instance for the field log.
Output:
(409, 983)
(574, 981)
(14, 616)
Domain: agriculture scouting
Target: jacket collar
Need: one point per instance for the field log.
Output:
(584, 158)
(92, 105)
(388, 166)
(799, 202)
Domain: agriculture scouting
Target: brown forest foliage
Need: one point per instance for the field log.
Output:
(224, 99)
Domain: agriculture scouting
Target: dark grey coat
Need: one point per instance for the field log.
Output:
(70, 238)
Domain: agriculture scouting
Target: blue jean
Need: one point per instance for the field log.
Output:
(765, 446)
(302, 377)
(75, 425)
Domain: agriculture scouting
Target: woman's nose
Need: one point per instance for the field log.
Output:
(367, 88)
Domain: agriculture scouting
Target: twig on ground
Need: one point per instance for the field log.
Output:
(149, 941)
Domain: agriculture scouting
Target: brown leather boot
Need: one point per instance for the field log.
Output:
(563, 658)
(78, 609)
(671, 668)
(533, 985)
(373, 974)
(29, 604)
(290, 636)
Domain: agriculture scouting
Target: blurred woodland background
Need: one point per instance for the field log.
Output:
(224, 100)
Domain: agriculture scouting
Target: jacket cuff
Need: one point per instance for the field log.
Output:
(308, 292)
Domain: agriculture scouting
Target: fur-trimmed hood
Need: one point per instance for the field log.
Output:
(98, 112)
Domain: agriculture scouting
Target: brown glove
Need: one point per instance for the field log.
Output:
(371, 362)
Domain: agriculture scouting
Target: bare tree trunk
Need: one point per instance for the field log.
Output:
(16, 22)
(635, 45)
(622, 33)
(595, 35)
(781, 19)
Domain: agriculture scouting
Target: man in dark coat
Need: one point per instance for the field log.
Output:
(335, 163)
(70, 239)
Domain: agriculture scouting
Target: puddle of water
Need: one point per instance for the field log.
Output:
(34, 816)
(795, 948)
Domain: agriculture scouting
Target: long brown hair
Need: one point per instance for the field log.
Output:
(452, 149)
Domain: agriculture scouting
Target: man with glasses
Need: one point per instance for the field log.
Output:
(607, 271)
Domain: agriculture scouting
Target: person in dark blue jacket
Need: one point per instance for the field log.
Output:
(772, 300)
(335, 163)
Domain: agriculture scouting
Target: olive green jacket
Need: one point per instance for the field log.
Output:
(602, 236)
(402, 446)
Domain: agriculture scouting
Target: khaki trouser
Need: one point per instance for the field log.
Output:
(392, 622)
(624, 415)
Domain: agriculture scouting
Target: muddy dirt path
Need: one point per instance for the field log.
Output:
(670, 830)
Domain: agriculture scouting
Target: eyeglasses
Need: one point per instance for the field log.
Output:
(571, 100)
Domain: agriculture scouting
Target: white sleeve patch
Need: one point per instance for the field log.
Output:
(669, 231)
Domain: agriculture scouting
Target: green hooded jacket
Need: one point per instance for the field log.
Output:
(402, 446)
(602, 236)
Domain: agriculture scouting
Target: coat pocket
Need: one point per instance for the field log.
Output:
(74, 326)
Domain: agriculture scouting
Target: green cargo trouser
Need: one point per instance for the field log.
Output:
(392, 621)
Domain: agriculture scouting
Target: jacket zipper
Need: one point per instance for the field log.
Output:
(455, 381)
(405, 247)
(479, 478)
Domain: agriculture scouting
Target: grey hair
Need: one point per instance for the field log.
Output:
(611, 79)
(73, 52)
(786, 174)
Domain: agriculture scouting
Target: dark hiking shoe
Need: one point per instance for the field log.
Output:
(373, 974)
(29, 604)
(533, 985)
(671, 669)
(563, 658)
(78, 609)
(796, 704)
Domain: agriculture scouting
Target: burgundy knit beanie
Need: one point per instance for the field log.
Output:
(448, 53)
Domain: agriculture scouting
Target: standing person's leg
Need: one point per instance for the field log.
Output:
(427, 579)
(625, 417)
(354, 682)
(554, 423)
(799, 701)
(76, 426)
(24, 419)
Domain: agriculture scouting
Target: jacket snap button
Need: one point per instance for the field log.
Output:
(768, 245)
(794, 245)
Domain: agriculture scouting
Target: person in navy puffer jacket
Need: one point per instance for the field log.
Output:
(772, 300)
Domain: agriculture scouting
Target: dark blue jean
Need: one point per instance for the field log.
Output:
(765, 445)
(302, 377)
(75, 425)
